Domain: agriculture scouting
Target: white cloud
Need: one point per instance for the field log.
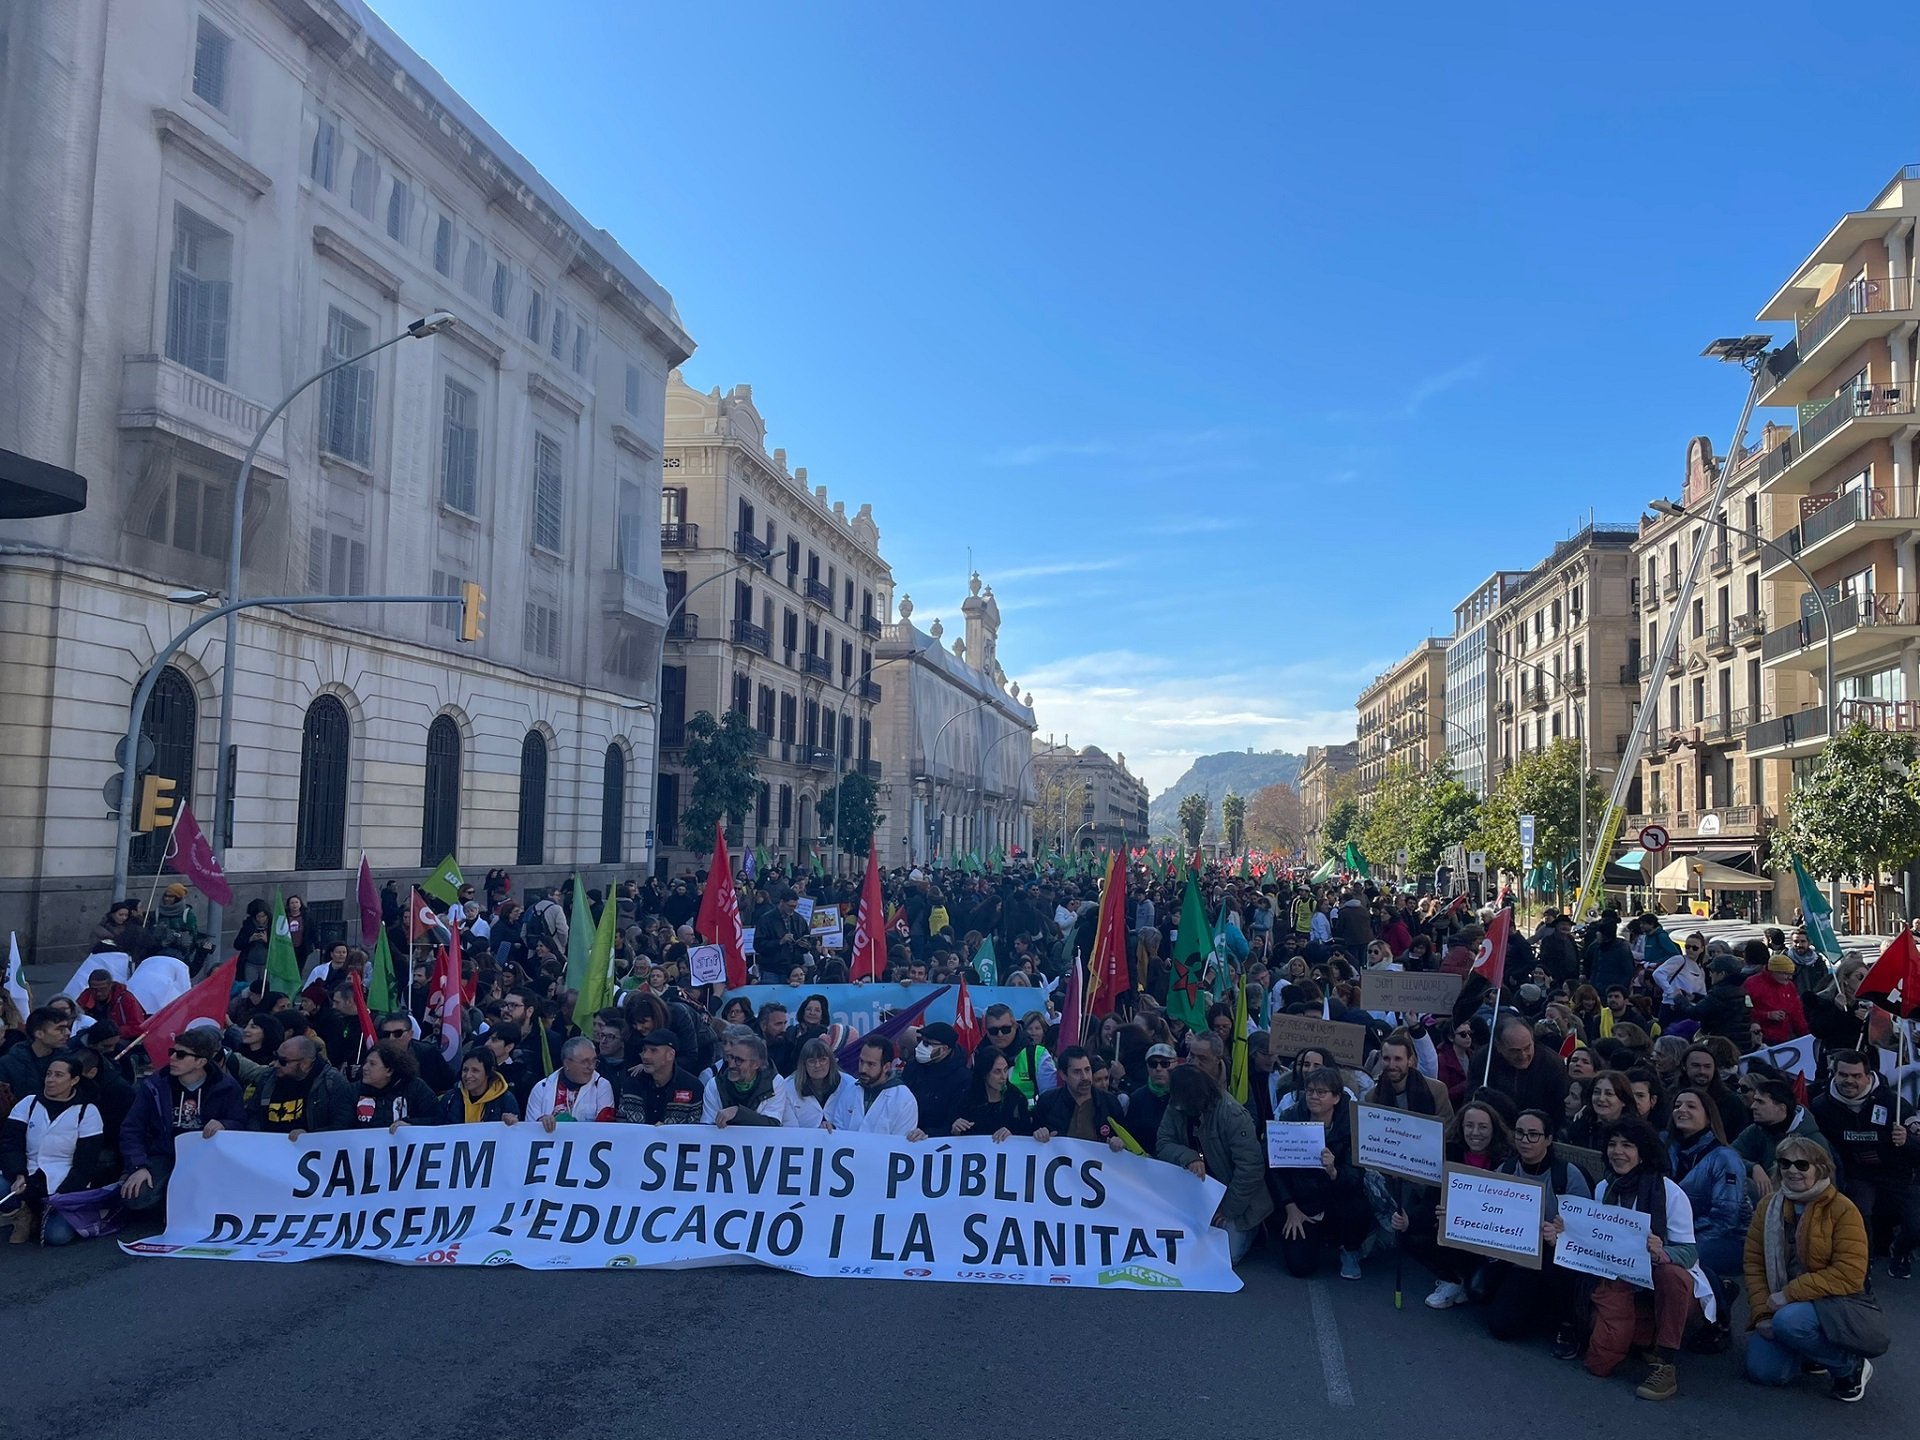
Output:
(1443, 381)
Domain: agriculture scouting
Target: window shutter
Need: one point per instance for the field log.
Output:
(317, 561)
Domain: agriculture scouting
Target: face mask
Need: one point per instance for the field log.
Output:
(923, 1052)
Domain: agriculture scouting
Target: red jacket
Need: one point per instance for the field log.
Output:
(1776, 995)
(127, 1014)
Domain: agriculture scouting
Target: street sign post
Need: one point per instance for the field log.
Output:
(1526, 832)
(1654, 839)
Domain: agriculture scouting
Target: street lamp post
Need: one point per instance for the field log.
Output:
(980, 809)
(933, 761)
(420, 329)
(1020, 784)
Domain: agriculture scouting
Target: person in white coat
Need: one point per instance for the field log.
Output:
(576, 1091)
(748, 1092)
(1683, 976)
(820, 1095)
(887, 1107)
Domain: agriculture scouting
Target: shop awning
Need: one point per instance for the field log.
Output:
(30, 488)
(1631, 860)
(1691, 872)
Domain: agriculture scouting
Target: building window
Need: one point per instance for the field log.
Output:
(199, 519)
(557, 342)
(630, 534)
(673, 706)
(170, 722)
(502, 288)
(212, 51)
(320, 832)
(324, 159)
(536, 312)
(346, 395)
(399, 202)
(199, 294)
(532, 838)
(548, 500)
(444, 617)
(365, 185)
(440, 819)
(579, 349)
(743, 697)
(764, 710)
(443, 246)
(666, 809)
(613, 806)
(475, 267)
(542, 631)
(789, 715)
(786, 810)
(460, 448)
(336, 565)
(633, 390)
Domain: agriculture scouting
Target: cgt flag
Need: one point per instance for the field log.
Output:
(191, 855)
(719, 919)
(869, 939)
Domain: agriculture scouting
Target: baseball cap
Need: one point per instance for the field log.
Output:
(940, 1033)
(1162, 1051)
(660, 1035)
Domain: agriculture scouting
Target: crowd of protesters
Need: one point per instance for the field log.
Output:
(1612, 1070)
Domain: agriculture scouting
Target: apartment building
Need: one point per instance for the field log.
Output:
(1098, 803)
(1469, 692)
(1402, 715)
(1320, 774)
(777, 597)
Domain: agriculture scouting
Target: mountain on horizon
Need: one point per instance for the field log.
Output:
(1241, 771)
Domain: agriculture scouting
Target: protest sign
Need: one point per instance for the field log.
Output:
(826, 926)
(706, 965)
(1409, 992)
(1604, 1240)
(1288, 1035)
(1295, 1145)
(1796, 1057)
(1067, 1213)
(1396, 1142)
(803, 907)
(1494, 1215)
(861, 1007)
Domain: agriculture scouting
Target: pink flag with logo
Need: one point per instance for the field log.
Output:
(445, 998)
(191, 855)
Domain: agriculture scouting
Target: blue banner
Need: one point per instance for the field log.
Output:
(864, 1006)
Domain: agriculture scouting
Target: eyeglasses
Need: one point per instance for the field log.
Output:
(1529, 1136)
(286, 1059)
(178, 1053)
(1796, 1165)
(1159, 1064)
(1000, 1030)
(394, 1035)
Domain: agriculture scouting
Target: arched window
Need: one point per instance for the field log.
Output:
(613, 806)
(320, 834)
(533, 800)
(440, 819)
(170, 721)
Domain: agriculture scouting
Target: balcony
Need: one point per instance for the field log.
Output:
(160, 394)
(870, 769)
(629, 595)
(1576, 682)
(1670, 587)
(869, 690)
(817, 665)
(1835, 426)
(1646, 666)
(685, 626)
(1503, 709)
(1689, 824)
(673, 734)
(870, 625)
(681, 536)
(1837, 522)
(1786, 736)
(752, 547)
(817, 593)
(1748, 544)
(1716, 729)
(1863, 625)
(1750, 628)
(1859, 313)
(819, 759)
(1535, 699)
(753, 636)
(1720, 640)
(1630, 673)
(1721, 557)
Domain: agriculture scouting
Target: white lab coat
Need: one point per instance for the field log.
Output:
(803, 1112)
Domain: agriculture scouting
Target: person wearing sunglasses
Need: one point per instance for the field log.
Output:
(1147, 1104)
(1808, 1243)
(1683, 977)
(1032, 1072)
(432, 1064)
(303, 1093)
(191, 1092)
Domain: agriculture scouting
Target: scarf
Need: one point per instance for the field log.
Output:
(474, 1111)
(1418, 1096)
(1833, 1089)
(752, 1096)
(1644, 1191)
(1780, 1265)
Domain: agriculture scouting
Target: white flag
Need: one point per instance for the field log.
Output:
(16, 981)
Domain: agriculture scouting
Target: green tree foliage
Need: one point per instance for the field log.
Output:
(1546, 785)
(721, 755)
(1193, 818)
(859, 814)
(1419, 811)
(1233, 819)
(1342, 822)
(1858, 813)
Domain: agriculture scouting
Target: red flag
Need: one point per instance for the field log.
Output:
(205, 1001)
(869, 934)
(444, 998)
(369, 904)
(1111, 972)
(1894, 981)
(360, 1004)
(192, 856)
(966, 1024)
(719, 919)
(1490, 960)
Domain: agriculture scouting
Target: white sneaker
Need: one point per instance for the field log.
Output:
(1446, 1295)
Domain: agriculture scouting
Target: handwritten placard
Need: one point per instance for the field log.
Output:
(1409, 992)
(1604, 1240)
(1295, 1145)
(1396, 1142)
(1288, 1035)
(1494, 1215)
(825, 925)
(706, 965)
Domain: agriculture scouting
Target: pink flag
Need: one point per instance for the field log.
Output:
(1072, 1009)
(869, 938)
(192, 856)
(446, 998)
(719, 919)
(369, 904)
(206, 1002)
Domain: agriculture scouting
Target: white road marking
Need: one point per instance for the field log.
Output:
(1333, 1356)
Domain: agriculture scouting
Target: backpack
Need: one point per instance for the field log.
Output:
(535, 926)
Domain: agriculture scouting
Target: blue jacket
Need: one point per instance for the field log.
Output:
(1715, 1181)
(147, 1133)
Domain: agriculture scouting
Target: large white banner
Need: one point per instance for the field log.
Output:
(820, 1203)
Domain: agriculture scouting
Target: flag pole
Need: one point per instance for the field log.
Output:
(166, 854)
(1492, 1029)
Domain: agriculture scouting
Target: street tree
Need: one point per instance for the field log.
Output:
(1193, 818)
(1233, 819)
(721, 756)
(858, 810)
(1421, 811)
(1546, 785)
(1858, 813)
(1059, 796)
(1343, 818)
(1276, 820)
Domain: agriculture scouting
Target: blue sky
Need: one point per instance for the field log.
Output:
(1239, 342)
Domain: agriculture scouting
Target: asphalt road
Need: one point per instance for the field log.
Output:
(101, 1343)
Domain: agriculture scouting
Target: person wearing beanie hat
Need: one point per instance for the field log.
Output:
(1776, 1001)
(174, 928)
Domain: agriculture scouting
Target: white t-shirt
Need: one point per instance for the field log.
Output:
(52, 1139)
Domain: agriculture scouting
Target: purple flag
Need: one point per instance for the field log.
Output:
(849, 1054)
(369, 904)
(192, 857)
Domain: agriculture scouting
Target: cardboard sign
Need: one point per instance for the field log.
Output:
(1409, 992)
(1604, 1240)
(707, 965)
(1396, 1142)
(1494, 1215)
(1295, 1145)
(1290, 1034)
(803, 907)
(825, 925)
(1590, 1163)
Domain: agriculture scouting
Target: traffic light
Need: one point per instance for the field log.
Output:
(156, 803)
(472, 616)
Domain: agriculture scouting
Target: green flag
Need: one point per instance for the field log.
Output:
(380, 976)
(1245, 873)
(813, 861)
(579, 940)
(1187, 991)
(283, 966)
(1356, 862)
(597, 993)
(1324, 873)
(445, 882)
(986, 965)
(1818, 914)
